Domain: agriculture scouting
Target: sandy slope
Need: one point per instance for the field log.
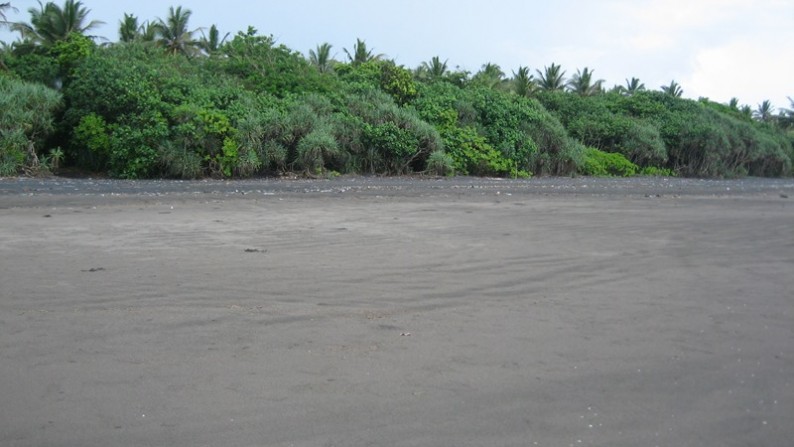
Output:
(436, 318)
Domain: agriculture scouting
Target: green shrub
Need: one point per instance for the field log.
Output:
(159, 115)
(598, 163)
(297, 138)
(642, 144)
(264, 66)
(397, 82)
(26, 119)
(393, 140)
(250, 142)
(500, 120)
(13, 151)
(490, 132)
(353, 155)
(364, 75)
(315, 149)
(270, 129)
(116, 81)
(524, 131)
(92, 134)
(440, 163)
(35, 67)
(704, 140)
(248, 162)
(178, 162)
(71, 51)
(395, 144)
(596, 122)
(436, 103)
(472, 155)
(134, 145)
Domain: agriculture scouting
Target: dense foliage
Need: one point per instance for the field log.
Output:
(163, 103)
(26, 118)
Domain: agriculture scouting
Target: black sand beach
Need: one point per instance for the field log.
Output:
(400, 312)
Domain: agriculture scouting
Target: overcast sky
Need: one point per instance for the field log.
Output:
(713, 48)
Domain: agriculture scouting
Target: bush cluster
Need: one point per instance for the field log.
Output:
(598, 163)
(26, 117)
(665, 133)
(249, 107)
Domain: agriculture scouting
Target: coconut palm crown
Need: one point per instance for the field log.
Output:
(173, 33)
(552, 78)
(50, 23)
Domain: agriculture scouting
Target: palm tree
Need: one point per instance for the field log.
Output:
(3, 23)
(51, 24)
(489, 76)
(524, 82)
(129, 29)
(734, 103)
(764, 112)
(173, 34)
(212, 44)
(3, 8)
(582, 83)
(552, 78)
(361, 54)
(673, 89)
(433, 69)
(633, 86)
(148, 32)
(321, 57)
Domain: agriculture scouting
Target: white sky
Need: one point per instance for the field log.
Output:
(713, 48)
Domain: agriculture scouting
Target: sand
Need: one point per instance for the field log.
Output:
(459, 313)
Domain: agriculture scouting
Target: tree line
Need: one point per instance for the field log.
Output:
(169, 100)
